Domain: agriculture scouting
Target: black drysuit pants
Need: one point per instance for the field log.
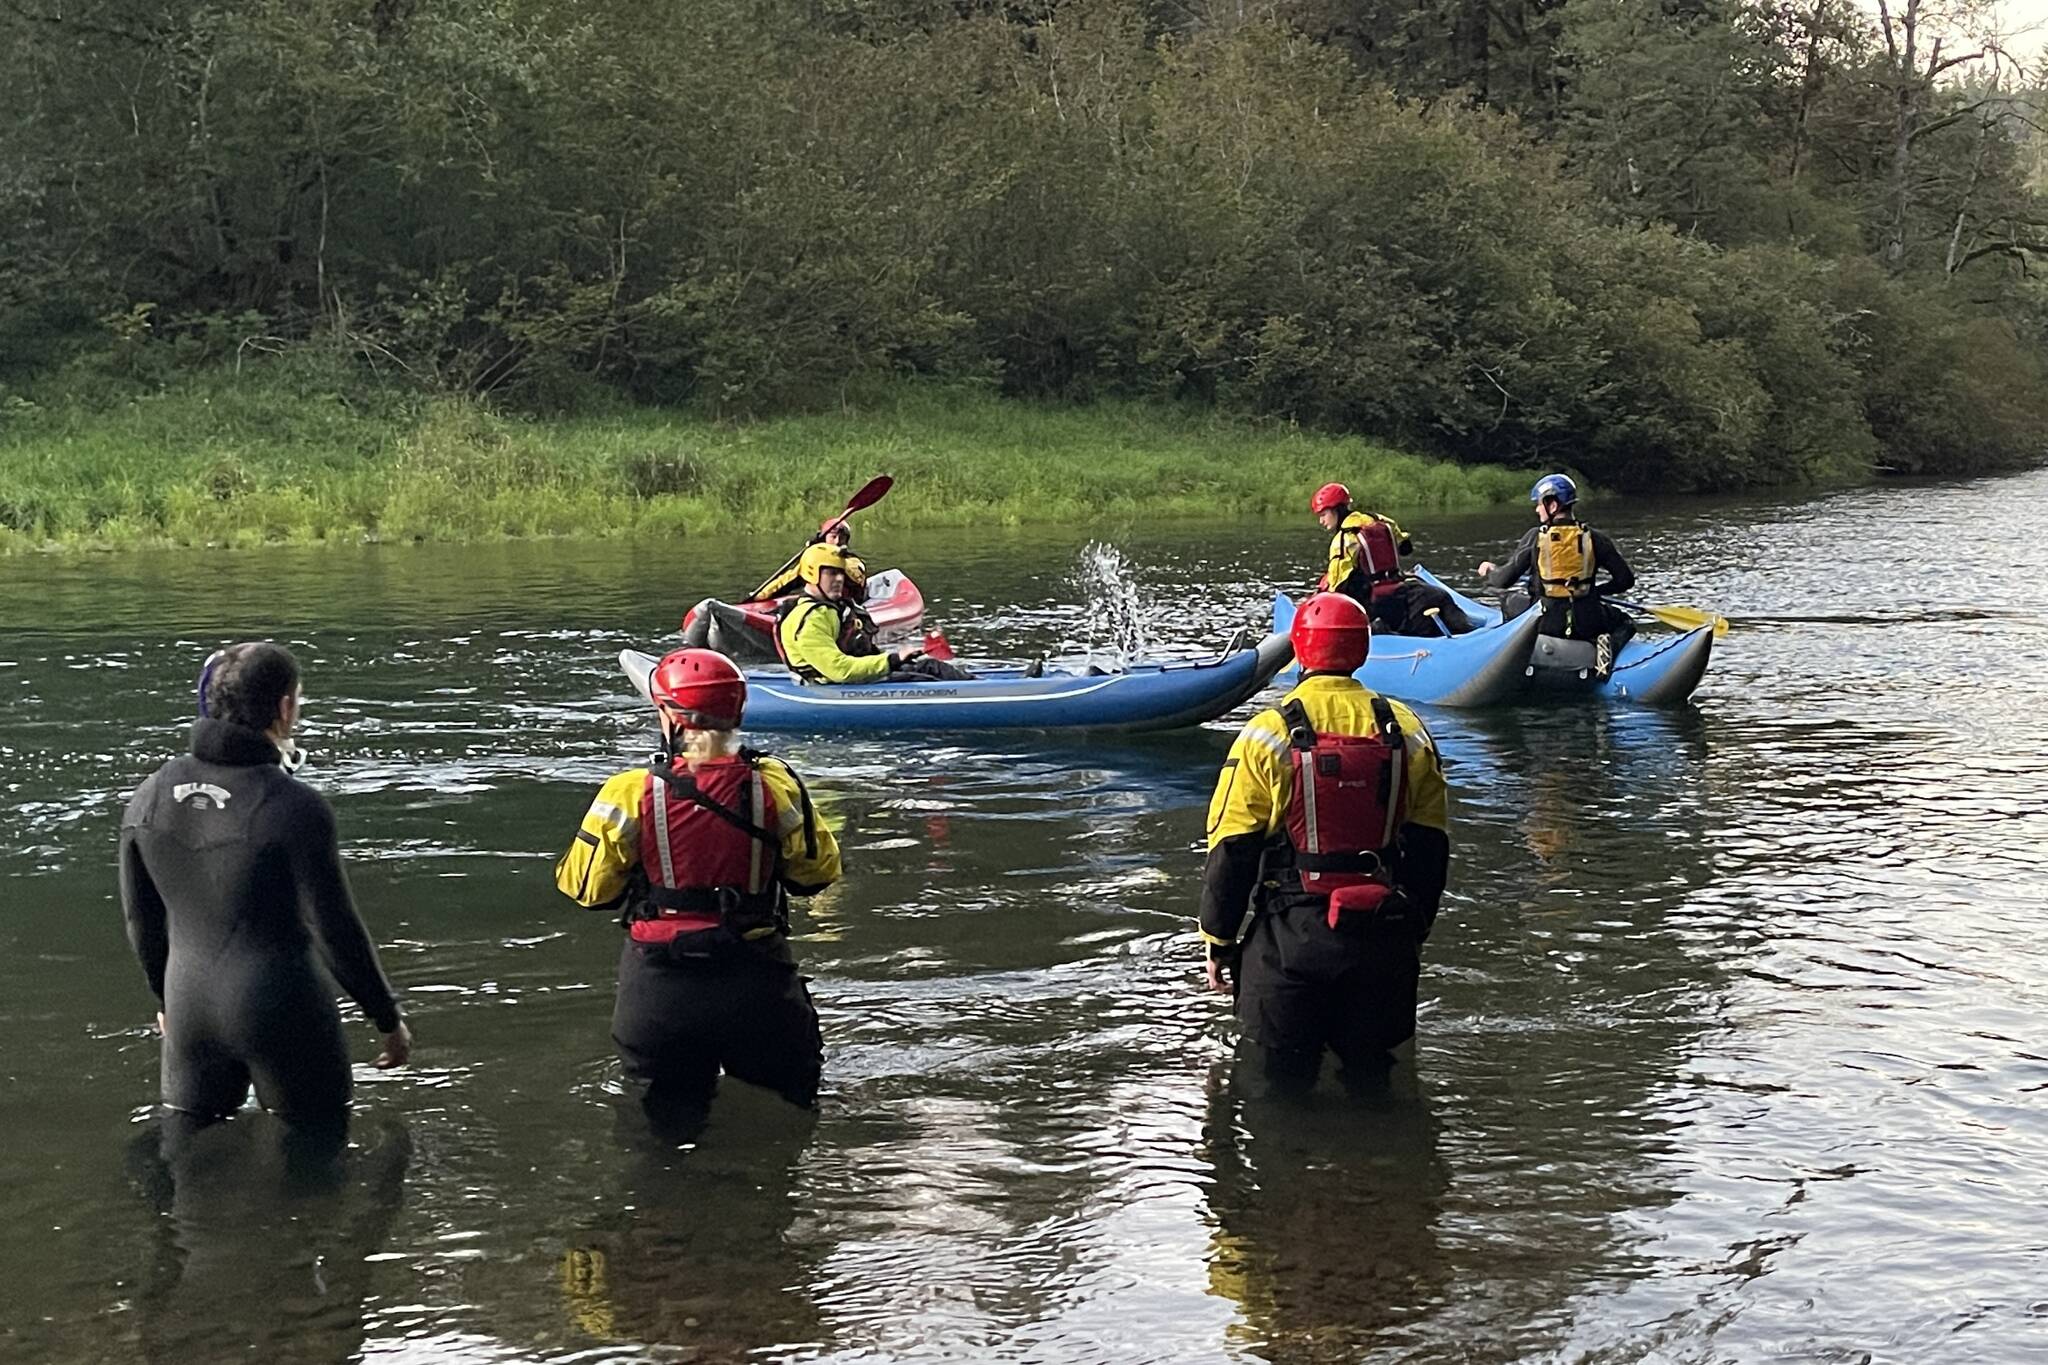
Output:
(680, 1020)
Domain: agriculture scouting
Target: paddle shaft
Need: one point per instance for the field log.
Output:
(871, 493)
(1680, 618)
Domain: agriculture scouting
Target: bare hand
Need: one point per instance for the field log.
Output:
(1217, 983)
(397, 1048)
(1486, 569)
(159, 1022)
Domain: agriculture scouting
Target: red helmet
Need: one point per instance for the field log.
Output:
(700, 689)
(838, 523)
(1328, 496)
(1332, 634)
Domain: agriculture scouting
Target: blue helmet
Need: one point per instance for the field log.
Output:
(1555, 486)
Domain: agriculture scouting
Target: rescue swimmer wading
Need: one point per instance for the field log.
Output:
(824, 638)
(700, 851)
(1365, 565)
(1328, 829)
(240, 912)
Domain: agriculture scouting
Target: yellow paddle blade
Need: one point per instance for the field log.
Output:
(1691, 618)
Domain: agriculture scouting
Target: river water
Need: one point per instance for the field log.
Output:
(1732, 1046)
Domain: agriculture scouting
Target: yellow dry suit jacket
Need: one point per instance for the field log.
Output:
(1248, 811)
(810, 633)
(1344, 550)
(601, 862)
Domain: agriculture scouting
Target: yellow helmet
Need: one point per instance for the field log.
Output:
(823, 555)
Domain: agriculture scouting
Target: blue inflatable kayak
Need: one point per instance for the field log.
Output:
(1505, 662)
(1653, 670)
(1478, 668)
(1144, 697)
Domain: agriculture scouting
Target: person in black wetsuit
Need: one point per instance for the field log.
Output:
(1560, 558)
(230, 873)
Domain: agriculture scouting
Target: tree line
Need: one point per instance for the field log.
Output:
(1671, 243)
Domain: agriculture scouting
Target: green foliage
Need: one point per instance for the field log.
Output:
(1626, 236)
(265, 457)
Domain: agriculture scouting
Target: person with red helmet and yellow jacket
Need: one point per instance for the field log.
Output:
(1365, 564)
(700, 852)
(1329, 831)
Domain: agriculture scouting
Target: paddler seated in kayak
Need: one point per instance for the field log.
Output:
(835, 531)
(1365, 565)
(821, 637)
(1560, 557)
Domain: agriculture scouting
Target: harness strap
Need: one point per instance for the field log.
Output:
(1366, 862)
(1396, 772)
(706, 900)
(803, 796)
(686, 788)
(1300, 733)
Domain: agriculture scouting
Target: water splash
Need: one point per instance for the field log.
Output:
(1110, 585)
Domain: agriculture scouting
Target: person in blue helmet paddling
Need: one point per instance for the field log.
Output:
(1561, 558)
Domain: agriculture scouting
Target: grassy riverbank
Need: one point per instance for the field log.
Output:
(217, 459)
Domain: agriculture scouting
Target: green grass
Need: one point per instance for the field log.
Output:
(285, 456)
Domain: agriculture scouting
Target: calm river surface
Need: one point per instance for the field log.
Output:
(1735, 1042)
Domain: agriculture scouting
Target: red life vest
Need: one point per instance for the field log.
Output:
(1378, 557)
(710, 859)
(1350, 798)
(1374, 552)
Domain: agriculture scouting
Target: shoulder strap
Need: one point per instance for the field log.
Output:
(1300, 734)
(684, 786)
(1384, 722)
(803, 796)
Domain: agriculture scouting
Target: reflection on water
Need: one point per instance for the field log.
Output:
(1324, 1217)
(1729, 1045)
(259, 1252)
(689, 1243)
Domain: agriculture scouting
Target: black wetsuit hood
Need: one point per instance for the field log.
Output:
(231, 744)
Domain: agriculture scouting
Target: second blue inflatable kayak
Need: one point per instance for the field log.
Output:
(1506, 661)
(1652, 670)
(1479, 668)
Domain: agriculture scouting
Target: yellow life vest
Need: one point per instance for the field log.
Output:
(1564, 560)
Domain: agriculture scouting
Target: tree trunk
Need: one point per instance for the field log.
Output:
(1956, 258)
